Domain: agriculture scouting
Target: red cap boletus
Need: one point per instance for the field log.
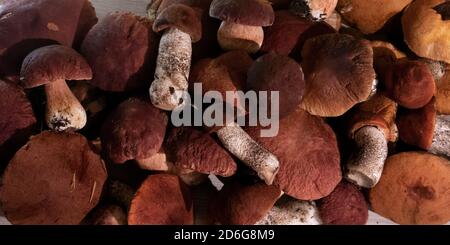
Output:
(162, 199)
(52, 66)
(56, 178)
(426, 28)
(384, 55)
(316, 10)
(344, 206)
(413, 189)
(135, 130)
(339, 74)
(242, 23)
(122, 37)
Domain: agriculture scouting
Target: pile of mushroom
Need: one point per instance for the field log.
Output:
(359, 92)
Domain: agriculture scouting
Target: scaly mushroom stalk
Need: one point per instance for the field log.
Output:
(441, 138)
(292, 212)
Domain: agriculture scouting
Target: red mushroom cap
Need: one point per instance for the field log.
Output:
(249, 12)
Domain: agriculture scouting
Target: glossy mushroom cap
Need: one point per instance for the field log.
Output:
(52, 63)
(126, 38)
(56, 178)
(249, 12)
(162, 199)
(135, 130)
(413, 189)
(339, 73)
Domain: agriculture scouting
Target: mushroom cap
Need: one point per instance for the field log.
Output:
(427, 30)
(339, 73)
(243, 204)
(272, 72)
(308, 153)
(135, 130)
(409, 83)
(416, 126)
(51, 174)
(249, 12)
(384, 55)
(162, 199)
(413, 189)
(370, 16)
(443, 94)
(88, 18)
(51, 63)
(193, 149)
(122, 37)
(344, 206)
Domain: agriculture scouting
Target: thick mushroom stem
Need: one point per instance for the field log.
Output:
(292, 212)
(64, 111)
(366, 165)
(441, 138)
(172, 70)
(241, 145)
(232, 36)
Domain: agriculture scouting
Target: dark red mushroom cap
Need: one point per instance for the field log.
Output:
(56, 178)
(51, 63)
(88, 18)
(249, 12)
(162, 199)
(135, 130)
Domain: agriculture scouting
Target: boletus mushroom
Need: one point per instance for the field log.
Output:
(316, 10)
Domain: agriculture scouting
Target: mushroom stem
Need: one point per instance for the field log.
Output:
(64, 111)
(366, 165)
(292, 212)
(441, 138)
(232, 36)
(172, 70)
(241, 145)
(157, 162)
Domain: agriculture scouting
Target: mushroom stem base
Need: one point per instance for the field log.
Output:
(232, 36)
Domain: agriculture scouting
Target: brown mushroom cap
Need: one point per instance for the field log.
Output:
(135, 130)
(88, 18)
(344, 206)
(413, 189)
(162, 199)
(190, 148)
(443, 94)
(122, 37)
(427, 30)
(249, 12)
(339, 73)
(56, 178)
(280, 73)
(370, 16)
(409, 83)
(52, 63)
(308, 153)
(242, 204)
(384, 55)
(416, 126)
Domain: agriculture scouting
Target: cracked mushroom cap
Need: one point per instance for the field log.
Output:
(193, 149)
(249, 12)
(272, 72)
(413, 189)
(369, 16)
(162, 199)
(308, 153)
(52, 174)
(339, 73)
(136, 130)
(51, 63)
(122, 37)
(426, 28)
(344, 206)
(243, 204)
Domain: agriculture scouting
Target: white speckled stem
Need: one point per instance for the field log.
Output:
(172, 70)
(240, 144)
(292, 212)
(366, 164)
(64, 111)
(441, 138)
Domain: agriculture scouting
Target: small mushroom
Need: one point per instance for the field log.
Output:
(242, 23)
(413, 189)
(339, 74)
(162, 199)
(344, 206)
(384, 55)
(316, 10)
(52, 174)
(288, 211)
(52, 66)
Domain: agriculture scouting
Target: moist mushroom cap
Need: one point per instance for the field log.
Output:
(135, 130)
(56, 178)
(413, 189)
(51, 63)
(339, 73)
(249, 12)
(162, 199)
